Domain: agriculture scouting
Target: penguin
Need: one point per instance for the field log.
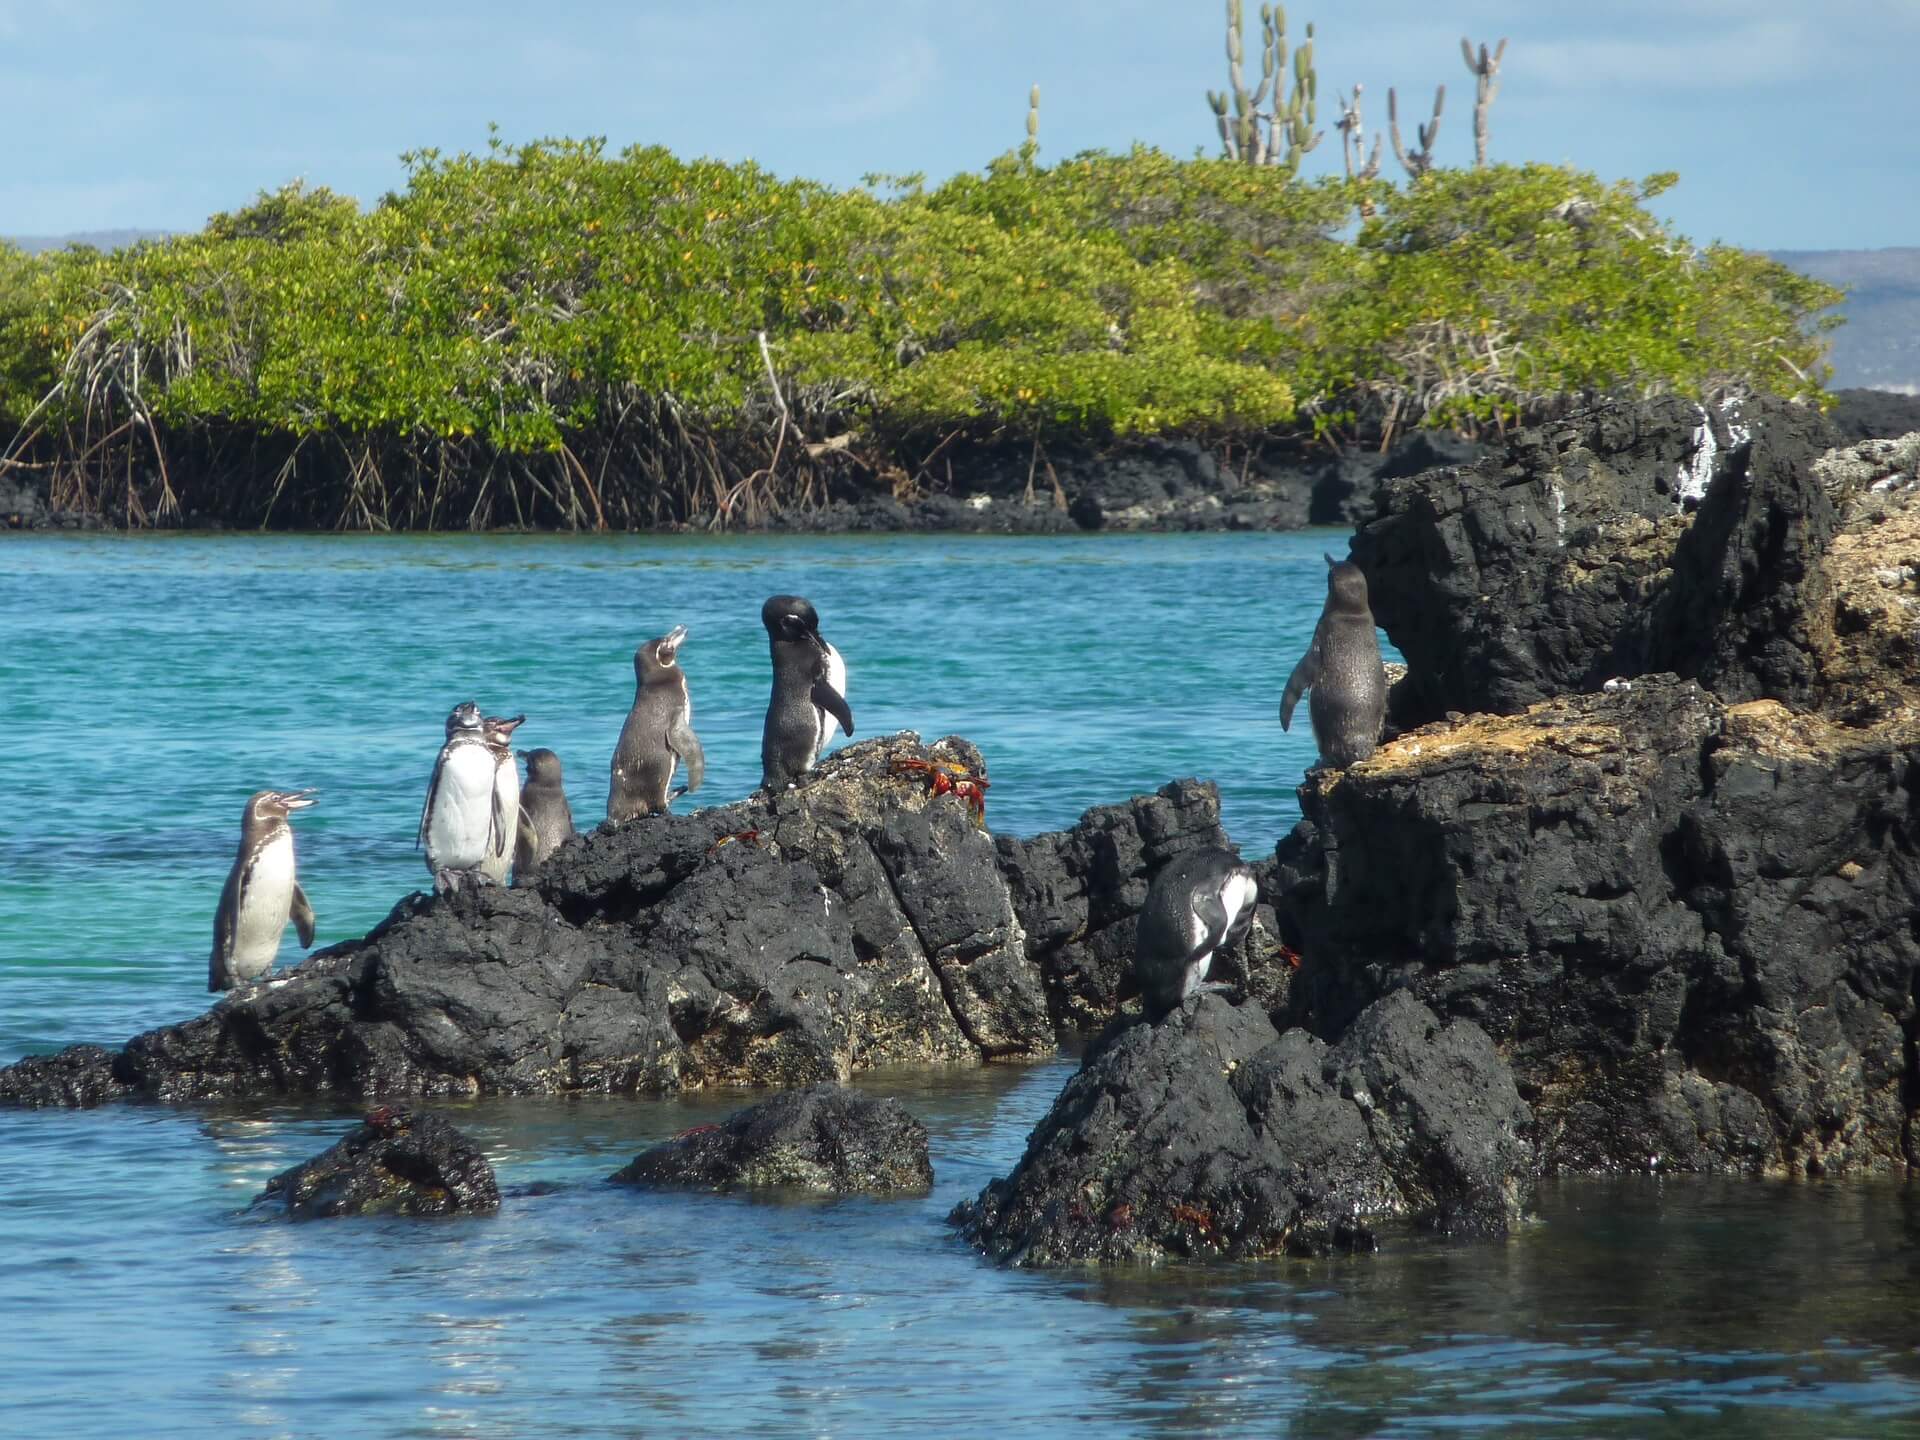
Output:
(809, 692)
(498, 733)
(260, 894)
(1200, 903)
(658, 735)
(1343, 669)
(545, 817)
(461, 817)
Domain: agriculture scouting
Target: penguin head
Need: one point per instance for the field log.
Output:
(789, 617)
(1346, 586)
(464, 716)
(267, 806)
(659, 654)
(543, 767)
(498, 729)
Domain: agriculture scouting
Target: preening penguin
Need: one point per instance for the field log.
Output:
(1343, 669)
(545, 817)
(261, 893)
(658, 736)
(461, 818)
(809, 692)
(1200, 902)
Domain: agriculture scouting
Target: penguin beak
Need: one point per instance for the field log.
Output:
(670, 646)
(507, 727)
(297, 799)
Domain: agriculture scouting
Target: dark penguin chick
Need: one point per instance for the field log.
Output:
(658, 735)
(498, 733)
(809, 692)
(1200, 903)
(1343, 669)
(261, 893)
(459, 821)
(545, 817)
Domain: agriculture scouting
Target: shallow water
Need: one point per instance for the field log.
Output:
(148, 684)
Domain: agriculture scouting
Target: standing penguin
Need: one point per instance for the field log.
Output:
(1343, 669)
(545, 817)
(461, 816)
(1200, 903)
(658, 735)
(498, 733)
(260, 894)
(809, 692)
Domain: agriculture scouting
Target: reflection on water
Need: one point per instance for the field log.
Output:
(143, 1295)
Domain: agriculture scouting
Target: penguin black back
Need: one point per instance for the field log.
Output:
(546, 819)
(809, 691)
(1343, 670)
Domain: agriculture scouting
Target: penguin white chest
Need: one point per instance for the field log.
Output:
(1237, 896)
(506, 802)
(266, 899)
(827, 723)
(461, 824)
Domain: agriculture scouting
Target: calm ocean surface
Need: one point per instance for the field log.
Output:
(149, 684)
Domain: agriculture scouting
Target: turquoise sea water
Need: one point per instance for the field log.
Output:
(148, 685)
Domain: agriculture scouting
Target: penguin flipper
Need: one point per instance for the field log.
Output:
(302, 917)
(684, 743)
(826, 698)
(1300, 681)
(1211, 911)
(223, 920)
(426, 810)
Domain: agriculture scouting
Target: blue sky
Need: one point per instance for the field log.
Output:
(1792, 125)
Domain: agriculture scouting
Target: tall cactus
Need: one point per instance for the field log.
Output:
(1419, 161)
(1283, 132)
(1032, 148)
(1485, 70)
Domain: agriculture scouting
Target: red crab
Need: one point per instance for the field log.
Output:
(945, 777)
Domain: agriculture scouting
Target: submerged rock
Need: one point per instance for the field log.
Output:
(823, 1138)
(1211, 1135)
(788, 939)
(396, 1163)
(1687, 924)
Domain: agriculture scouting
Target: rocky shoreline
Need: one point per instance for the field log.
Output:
(1163, 485)
(1632, 884)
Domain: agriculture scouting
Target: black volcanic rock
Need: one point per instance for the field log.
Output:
(1874, 414)
(822, 1138)
(1687, 924)
(395, 1163)
(1078, 893)
(859, 920)
(1210, 1135)
(1628, 539)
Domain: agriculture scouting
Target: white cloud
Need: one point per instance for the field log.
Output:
(1738, 56)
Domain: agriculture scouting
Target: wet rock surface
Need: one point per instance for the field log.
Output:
(1687, 924)
(1213, 1136)
(396, 1163)
(856, 921)
(822, 1139)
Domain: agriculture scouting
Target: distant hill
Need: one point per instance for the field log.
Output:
(1879, 346)
(99, 239)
